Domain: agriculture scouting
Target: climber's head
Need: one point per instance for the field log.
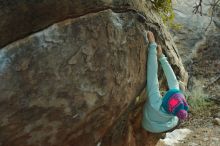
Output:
(174, 103)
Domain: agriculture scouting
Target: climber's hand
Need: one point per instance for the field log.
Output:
(150, 37)
(159, 51)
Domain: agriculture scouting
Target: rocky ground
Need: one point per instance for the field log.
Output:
(205, 127)
(201, 129)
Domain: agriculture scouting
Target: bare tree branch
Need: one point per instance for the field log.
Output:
(213, 6)
(198, 8)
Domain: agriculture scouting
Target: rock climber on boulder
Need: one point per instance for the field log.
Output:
(162, 113)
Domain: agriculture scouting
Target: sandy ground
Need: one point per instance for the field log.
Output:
(205, 131)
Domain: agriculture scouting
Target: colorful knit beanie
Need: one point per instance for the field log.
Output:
(175, 103)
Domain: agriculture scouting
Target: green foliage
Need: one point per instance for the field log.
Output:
(165, 9)
(197, 98)
(176, 26)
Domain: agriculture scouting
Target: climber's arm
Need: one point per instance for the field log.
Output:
(152, 77)
(169, 73)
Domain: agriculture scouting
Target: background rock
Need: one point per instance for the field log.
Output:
(198, 44)
(75, 82)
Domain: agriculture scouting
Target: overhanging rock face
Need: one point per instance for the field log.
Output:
(21, 18)
(69, 83)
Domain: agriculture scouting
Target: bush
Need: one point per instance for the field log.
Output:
(165, 9)
(197, 98)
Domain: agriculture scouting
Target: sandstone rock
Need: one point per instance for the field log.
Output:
(75, 82)
(21, 18)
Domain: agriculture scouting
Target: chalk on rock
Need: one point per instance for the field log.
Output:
(174, 137)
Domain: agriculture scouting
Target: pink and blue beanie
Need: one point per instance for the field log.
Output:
(175, 103)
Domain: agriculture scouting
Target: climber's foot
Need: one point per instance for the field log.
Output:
(150, 37)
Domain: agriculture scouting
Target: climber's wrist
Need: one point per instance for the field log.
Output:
(162, 57)
(153, 44)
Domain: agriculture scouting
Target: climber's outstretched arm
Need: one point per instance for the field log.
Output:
(169, 73)
(152, 77)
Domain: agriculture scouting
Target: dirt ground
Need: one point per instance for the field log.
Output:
(205, 131)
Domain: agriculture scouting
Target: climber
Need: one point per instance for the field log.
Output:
(162, 114)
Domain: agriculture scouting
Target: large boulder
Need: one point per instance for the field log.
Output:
(21, 18)
(75, 82)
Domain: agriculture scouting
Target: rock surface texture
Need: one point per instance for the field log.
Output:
(75, 82)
